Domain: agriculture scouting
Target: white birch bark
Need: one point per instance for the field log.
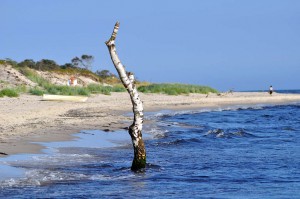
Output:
(135, 130)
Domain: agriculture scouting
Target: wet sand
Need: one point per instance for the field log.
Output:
(28, 119)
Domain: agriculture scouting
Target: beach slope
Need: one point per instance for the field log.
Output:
(28, 119)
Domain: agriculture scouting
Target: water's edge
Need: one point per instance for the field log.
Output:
(101, 139)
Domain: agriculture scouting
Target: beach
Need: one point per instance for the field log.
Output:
(28, 119)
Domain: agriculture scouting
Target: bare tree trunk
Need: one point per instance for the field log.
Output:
(135, 129)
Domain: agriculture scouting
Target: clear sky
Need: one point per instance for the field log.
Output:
(226, 44)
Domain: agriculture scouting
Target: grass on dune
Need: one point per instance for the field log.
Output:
(45, 86)
(12, 92)
(68, 90)
(95, 88)
(176, 89)
(37, 91)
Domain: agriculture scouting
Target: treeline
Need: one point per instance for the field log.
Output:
(80, 65)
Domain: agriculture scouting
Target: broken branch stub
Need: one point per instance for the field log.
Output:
(135, 129)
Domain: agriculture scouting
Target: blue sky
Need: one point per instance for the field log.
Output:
(226, 44)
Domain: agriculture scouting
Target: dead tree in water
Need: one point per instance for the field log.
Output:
(135, 129)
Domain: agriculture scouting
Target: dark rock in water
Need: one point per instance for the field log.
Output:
(1, 153)
(106, 130)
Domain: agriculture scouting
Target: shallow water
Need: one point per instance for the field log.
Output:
(236, 152)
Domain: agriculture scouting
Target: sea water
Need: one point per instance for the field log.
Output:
(229, 152)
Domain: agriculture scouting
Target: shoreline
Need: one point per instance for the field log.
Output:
(27, 119)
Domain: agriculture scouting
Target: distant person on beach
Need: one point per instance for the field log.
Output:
(271, 90)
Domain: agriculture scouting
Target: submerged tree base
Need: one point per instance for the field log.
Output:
(138, 164)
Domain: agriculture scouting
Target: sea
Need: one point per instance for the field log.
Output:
(225, 152)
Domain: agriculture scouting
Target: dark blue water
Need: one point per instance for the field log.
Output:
(230, 153)
(288, 91)
(295, 91)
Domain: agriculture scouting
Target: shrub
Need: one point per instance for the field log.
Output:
(9, 93)
(36, 91)
(46, 64)
(27, 63)
(83, 91)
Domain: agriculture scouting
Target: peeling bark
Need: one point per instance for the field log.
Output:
(135, 129)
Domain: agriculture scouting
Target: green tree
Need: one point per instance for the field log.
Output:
(104, 74)
(84, 62)
(46, 64)
(27, 63)
(67, 65)
(76, 62)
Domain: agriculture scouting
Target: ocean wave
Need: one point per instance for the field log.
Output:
(42, 177)
(157, 133)
(221, 133)
(169, 113)
(110, 178)
(42, 161)
(179, 141)
(43, 174)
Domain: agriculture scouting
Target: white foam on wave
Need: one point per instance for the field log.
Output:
(8, 183)
(38, 177)
(43, 173)
(46, 168)
(50, 162)
(107, 177)
(44, 176)
(157, 133)
(63, 157)
(9, 173)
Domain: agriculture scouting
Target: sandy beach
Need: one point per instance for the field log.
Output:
(28, 119)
